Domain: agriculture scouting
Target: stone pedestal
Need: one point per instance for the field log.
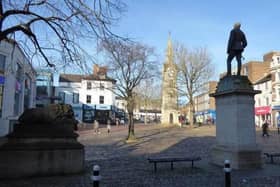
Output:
(42, 154)
(43, 143)
(235, 130)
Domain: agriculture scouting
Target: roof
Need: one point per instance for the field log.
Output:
(265, 78)
(79, 78)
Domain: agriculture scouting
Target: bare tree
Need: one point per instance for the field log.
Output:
(51, 31)
(149, 95)
(130, 63)
(194, 70)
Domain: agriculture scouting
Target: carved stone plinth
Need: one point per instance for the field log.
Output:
(47, 148)
(235, 130)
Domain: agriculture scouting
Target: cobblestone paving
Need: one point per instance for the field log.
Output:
(125, 164)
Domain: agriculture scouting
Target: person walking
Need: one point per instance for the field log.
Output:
(265, 129)
(117, 122)
(108, 126)
(96, 126)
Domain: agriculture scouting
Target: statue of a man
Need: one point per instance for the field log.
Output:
(236, 44)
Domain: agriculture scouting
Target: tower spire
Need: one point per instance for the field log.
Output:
(169, 53)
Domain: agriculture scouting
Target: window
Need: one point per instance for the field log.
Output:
(88, 98)
(101, 99)
(88, 85)
(2, 63)
(245, 71)
(259, 101)
(267, 101)
(61, 95)
(101, 86)
(266, 85)
(278, 60)
(1, 99)
(75, 98)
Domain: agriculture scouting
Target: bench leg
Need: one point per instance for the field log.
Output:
(155, 166)
(271, 159)
(192, 163)
(171, 165)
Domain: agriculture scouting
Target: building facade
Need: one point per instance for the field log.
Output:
(169, 108)
(263, 100)
(205, 109)
(274, 59)
(91, 96)
(44, 88)
(17, 85)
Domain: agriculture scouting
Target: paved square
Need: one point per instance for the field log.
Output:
(126, 164)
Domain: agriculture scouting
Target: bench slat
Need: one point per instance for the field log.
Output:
(170, 159)
(272, 154)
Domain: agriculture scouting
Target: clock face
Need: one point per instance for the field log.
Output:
(170, 72)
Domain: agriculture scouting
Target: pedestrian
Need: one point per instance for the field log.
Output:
(265, 129)
(117, 122)
(108, 126)
(96, 126)
(122, 122)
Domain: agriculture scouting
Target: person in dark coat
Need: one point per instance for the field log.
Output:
(236, 44)
(265, 128)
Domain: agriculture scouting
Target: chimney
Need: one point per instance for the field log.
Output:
(101, 72)
(95, 69)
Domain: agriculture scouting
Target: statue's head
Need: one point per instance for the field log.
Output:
(237, 25)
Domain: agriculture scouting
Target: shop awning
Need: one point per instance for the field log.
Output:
(262, 110)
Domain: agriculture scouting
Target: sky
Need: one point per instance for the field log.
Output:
(203, 23)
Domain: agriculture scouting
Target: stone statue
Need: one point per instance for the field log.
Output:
(60, 115)
(236, 44)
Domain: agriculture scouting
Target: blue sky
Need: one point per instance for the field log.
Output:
(203, 23)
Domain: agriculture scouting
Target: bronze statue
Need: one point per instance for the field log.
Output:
(236, 44)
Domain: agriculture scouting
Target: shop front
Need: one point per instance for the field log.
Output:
(88, 113)
(262, 113)
(103, 113)
(206, 116)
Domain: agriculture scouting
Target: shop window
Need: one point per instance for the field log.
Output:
(88, 99)
(2, 63)
(75, 98)
(27, 91)
(61, 95)
(101, 99)
(1, 99)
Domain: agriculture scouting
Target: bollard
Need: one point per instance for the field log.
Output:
(227, 171)
(96, 176)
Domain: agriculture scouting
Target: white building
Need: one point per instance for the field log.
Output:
(274, 58)
(17, 85)
(263, 100)
(91, 96)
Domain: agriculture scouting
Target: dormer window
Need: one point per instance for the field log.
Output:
(102, 86)
(88, 85)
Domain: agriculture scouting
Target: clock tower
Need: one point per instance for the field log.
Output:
(169, 106)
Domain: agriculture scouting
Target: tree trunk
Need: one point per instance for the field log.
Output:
(192, 114)
(130, 107)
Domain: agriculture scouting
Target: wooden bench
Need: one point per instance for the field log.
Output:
(172, 159)
(271, 156)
